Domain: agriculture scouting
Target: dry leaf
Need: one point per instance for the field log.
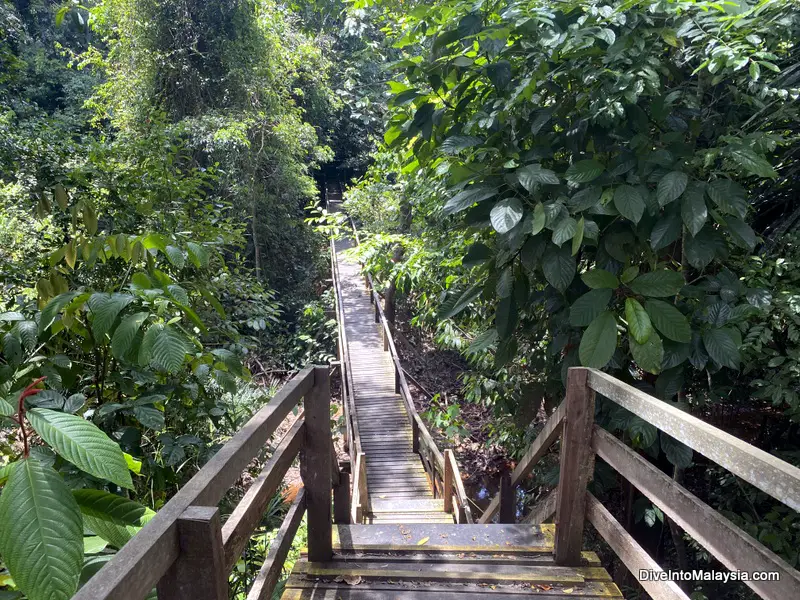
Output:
(423, 541)
(352, 579)
(568, 590)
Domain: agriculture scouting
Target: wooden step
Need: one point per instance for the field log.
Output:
(390, 519)
(588, 559)
(407, 506)
(416, 571)
(447, 538)
(298, 587)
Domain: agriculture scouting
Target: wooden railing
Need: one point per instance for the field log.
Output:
(359, 503)
(185, 551)
(571, 504)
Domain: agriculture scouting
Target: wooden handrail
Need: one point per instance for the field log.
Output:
(729, 544)
(572, 504)
(547, 436)
(248, 513)
(771, 475)
(184, 551)
(455, 496)
(633, 556)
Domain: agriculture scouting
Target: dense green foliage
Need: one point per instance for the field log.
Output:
(582, 178)
(156, 159)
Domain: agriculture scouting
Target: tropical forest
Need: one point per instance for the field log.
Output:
(522, 188)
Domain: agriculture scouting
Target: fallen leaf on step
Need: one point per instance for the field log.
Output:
(423, 541)
(546, 588)
(352, 579)
(568, 590)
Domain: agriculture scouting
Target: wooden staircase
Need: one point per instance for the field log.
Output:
(427, 561)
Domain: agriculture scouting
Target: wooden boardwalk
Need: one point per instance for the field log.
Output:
(399, 488)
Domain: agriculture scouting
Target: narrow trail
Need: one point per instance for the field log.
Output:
(399, 488)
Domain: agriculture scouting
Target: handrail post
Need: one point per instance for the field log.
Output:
(577, 465)
(199, 571)
(508, 505)
(397, 386)
(316, 467)
(448, 481)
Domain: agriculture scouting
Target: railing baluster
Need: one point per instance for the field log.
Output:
(316, 467)
(448, 481)
(577, 464)
(199, 571)
(508, 505)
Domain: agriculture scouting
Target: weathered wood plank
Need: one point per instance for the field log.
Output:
(299, 588)
(137, 567)
(630, 553)
(199, 571)
(508, 504)
(544, 509)
(724, 540)
(250, 510)
(448, 538)
(577, 464)
(771, 475)
(535, 451)
(315, 466)
(270, 571)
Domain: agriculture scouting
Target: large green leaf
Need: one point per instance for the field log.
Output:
(722, 347)
(111, 508)
(642, 433)
(678, 453)
(670, 187)
(6, 408)
(701, 249)
(506, 317)
(658, 284)
(51, 310)
(584, 171)
(741, 233)
(125, 333)
(532, 176)
(197, 254)
(669, 320)
(41, 533)
(650, 355)
(629, 202)
(483, 342)
(587, 308)
(599, 341)
(105, 309)
(169, 349)
(586, 198)
(666, 230)
(600, 278)
(113, 518)
(83, 444)
(28, 333)
(456, 302)
(175, 256)
(559, 267)
(729, 196)
(693, 208)
(466, 198)
(506, 214)
(639, 325)
(564, 230)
